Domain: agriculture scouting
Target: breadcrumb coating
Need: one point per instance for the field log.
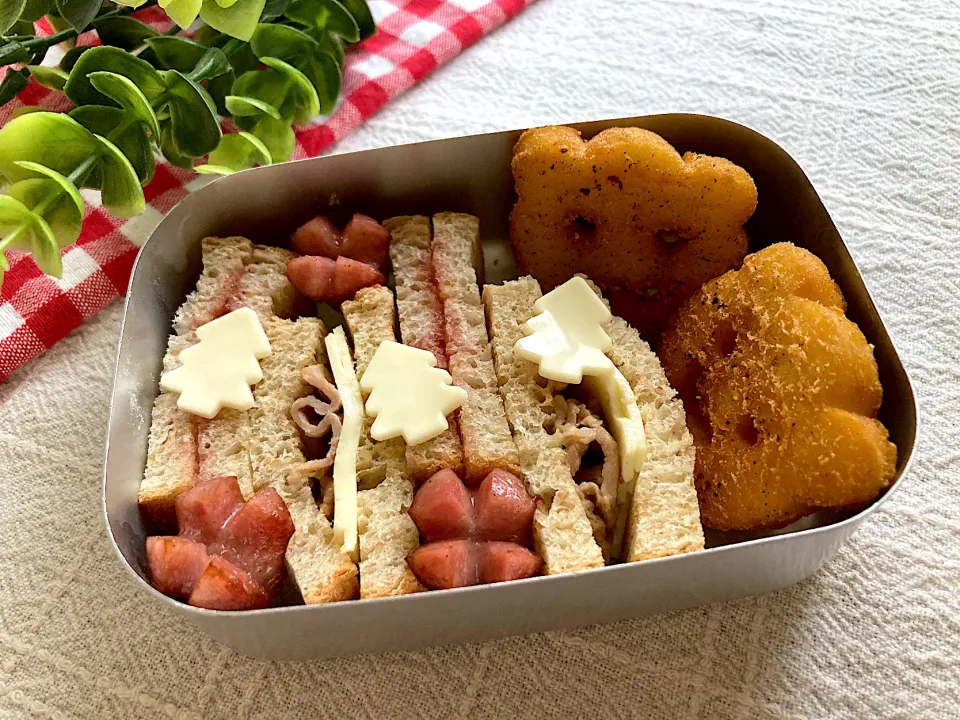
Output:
(781, 391)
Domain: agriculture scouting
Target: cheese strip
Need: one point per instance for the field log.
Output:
(345, 462)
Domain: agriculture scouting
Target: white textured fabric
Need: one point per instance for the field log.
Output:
(865, 96)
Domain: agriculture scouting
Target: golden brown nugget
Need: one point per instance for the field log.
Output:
(781, 391)
(647, 225)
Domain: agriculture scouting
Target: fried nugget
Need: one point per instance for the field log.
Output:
(781, 391)
(644, 223)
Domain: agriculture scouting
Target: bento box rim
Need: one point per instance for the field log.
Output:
(583, 125)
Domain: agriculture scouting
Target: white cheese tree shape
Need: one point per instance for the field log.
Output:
(567, 338)
(409, 395)
(217, 372)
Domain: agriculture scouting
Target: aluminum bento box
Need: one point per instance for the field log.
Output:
(472, 174)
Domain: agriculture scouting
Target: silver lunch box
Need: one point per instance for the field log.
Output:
(471, 174)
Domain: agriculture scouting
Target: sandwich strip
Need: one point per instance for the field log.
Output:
(181, 448)
(562, 531)
(664, 515)
(387, 534)
(422, 326)
(322, 572)
(458, 262)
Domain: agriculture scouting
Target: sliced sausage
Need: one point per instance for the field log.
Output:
(442, 508)
(312, 276)
(203, 509)
(501, 561)
(317, 237)
(443, 565)
(366, 240)
(175, 564)
(352, 275)
(256, 537)
(224, 586)
(504, 508)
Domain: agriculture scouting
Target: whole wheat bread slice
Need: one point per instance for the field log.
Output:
(562, 533)
(457, 262)
(386, 531)
(664, 514)
(422, 325)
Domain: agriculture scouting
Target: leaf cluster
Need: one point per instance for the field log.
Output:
(267, 64)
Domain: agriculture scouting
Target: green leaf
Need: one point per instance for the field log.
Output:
(23, 27)
(70, 58)
(169, 149)
(274, 9)
(361, 13)
(302, 103)
(36, 9)
(182, 12)
(327, 14)
(329, 43)
(52, 139)
(120, 191)
(52, 78)
(240, 106)
(110, 59)
(13, 82)
(177, 53)
(67, 187)
(277, 136)
(45, 249)
(128, 97)
(79, 13)
(213, 170)
(219, 87)
(239, 20)
(10, 11)
(131, 3)
(33, 234)
(132, 140)
(60, 210)
(301, 51)
(193, 122)
(240, 150)
(123, 32)
(213, 64)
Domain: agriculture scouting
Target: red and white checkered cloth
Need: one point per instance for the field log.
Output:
(414, 37)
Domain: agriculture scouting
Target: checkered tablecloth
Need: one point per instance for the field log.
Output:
(414, 38)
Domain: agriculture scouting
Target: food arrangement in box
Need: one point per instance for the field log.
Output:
(643, 379)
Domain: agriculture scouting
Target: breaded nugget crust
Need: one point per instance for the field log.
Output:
(647, 225)
(781, 391)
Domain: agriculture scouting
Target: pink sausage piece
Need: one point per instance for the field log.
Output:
(203, 509)
(175, 564)
(366, 240)
(256, 537)
(223, 586)
(352, 275)
(504, 508)
(317, 237)
(312, 276)
(444, 565)
(502, 561)
(442, 508)
(326, 280)
(362, 239)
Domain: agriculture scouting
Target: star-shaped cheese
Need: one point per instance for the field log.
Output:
(567, 339)
(409, 395)
(217, 372)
